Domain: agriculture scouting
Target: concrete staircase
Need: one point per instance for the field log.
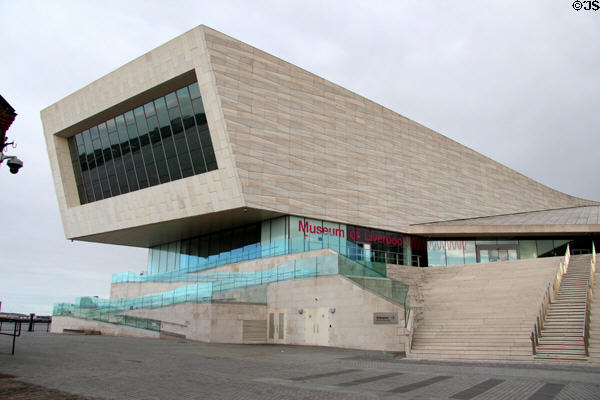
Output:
(594, 347)
(481, 311)
(562, 333)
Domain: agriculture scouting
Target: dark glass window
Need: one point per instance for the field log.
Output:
(91, 163)
(109, 164)
(88, 192)
(126, 152)
(115, 145)
(209, 250)
(163, 140)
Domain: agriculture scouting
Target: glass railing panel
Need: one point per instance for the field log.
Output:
(353, 268)
(399, 292)
(255, 294)
(327, 265)
(305, 267)
(285, 271)
(241, 286)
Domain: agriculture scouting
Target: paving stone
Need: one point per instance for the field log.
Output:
(76, 367)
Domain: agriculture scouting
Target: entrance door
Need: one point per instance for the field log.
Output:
(276, 328)
(497, 252)
(316, 326)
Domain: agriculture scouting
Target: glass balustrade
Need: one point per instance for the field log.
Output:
(236, 287)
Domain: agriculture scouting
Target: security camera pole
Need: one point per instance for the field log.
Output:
(7, 116)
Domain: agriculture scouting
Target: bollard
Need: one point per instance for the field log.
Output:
(31, 316)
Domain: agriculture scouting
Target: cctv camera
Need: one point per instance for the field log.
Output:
(14, 164)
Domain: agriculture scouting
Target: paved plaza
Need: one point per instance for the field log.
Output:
(48, 366)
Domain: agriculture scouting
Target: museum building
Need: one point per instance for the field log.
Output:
(271, 201)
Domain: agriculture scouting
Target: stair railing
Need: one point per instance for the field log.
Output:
(409, 331)
(588, 301)
(550, 293)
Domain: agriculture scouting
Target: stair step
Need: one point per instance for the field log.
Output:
(525, 343)
(573, 294)
(564, 320)
(556, 326)
(567, 302)
(561, 336)
(563, 357)
(561, 345)
(554, 334)
(469, 319)
(561, 328)
(544, 349)
(563, 314)
(459, 336)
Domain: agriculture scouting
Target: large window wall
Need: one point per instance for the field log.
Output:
(470, 251)
(291, 234)
(161, 141)
(279, 236)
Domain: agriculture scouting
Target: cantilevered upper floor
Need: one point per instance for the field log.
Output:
(206, 133)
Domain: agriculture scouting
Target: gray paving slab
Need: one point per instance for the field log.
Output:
(103, 367)
(476, 390)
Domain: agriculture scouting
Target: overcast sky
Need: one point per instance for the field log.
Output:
(518, 81)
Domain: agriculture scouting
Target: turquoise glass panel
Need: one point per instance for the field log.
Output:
(454, 255)
(484, 256)
(470, 253)
(278, 236)
(296, 234)
(436, 253)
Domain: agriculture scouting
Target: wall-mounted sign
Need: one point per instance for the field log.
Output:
(385, 318)
(306, 227)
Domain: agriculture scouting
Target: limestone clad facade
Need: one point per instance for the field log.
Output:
(314, 225)
(286, 142)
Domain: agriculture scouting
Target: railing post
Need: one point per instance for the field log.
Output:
(15, 335)
(588, 299)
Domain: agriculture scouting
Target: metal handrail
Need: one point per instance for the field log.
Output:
(588, 300)
(16, 329)
(536, 333)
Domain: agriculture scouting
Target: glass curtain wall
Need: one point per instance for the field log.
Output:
(290, 234)
(207, 251)
(458, 251)
(274, 237)
(162, 141)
